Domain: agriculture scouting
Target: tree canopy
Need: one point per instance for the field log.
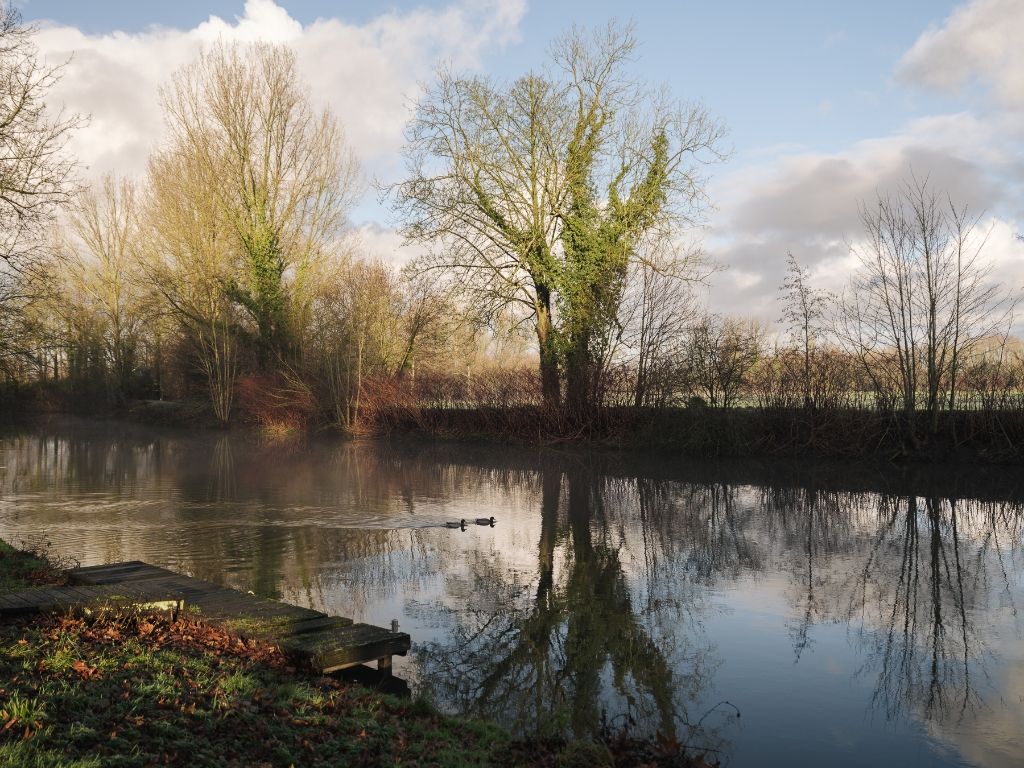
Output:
(539, 193)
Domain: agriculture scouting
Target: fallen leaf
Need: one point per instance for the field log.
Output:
(85, 670)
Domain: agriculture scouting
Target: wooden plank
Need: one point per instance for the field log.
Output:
(86, 594)
(278, 629)
(95, 569)
(46, 596)
(15, 606)
(241, 609)
(47, 599)
(329, 642)
(232, 600)
(15, 599)
(191, 590)
(100, 575)
(120, 572)
(355, 644)
(306, 626)
(219, 598)
(127, 576)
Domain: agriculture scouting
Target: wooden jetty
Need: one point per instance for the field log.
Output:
(328, 643)
(50, 599)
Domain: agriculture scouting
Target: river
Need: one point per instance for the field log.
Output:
(775, 614)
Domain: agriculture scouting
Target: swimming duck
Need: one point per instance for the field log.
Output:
(485, 521)
(452, 524)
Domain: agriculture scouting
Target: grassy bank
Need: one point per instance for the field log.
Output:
(27, 567)
(137, 689)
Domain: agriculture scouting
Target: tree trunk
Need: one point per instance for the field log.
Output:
(549, 382)
(578, 375)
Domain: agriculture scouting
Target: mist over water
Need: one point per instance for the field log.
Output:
(851, 614)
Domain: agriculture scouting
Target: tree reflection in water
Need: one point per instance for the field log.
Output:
(908, 575)
(558, 652)
(917, 595)
(610, 621)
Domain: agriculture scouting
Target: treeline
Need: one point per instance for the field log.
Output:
(553, 297)
(227, 274)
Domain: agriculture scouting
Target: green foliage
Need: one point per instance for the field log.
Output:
(22, 710)
(14, 756)
(599, 241)
(263, 292)
(585, 754)
(20, 568)
(128, 701)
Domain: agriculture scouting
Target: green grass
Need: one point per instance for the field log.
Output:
(137, 689)
(134, 688)
(20, 569)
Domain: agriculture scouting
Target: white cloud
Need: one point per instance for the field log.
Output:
(981, 41)
(368, 74)
(808, 203)
(380, 243)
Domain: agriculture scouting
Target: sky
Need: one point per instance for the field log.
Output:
(826, 103)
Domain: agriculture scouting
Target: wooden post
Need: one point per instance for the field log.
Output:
(384, 664)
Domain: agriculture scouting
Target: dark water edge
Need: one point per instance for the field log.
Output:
(853, 612)
(963, 437)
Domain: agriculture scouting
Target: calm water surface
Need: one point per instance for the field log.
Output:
(852, 615)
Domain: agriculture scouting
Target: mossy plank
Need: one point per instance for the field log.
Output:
(354, 644)
(44, 599)
(320, 623)
(111, 568)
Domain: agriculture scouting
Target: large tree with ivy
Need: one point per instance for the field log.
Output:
(279, 173)
(539, 194)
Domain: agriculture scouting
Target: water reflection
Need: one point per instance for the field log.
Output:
(921, 585)
(852, 614)
(572, 646)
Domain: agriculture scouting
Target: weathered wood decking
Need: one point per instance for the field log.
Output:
(327, 642)
(48, 599)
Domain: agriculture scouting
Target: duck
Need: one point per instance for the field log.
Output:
(452, 524)
(485, 521)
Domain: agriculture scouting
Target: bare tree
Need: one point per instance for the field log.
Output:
(721, 352)
(804, 312)
(373, 324)
(188, 260)
(36, 175)
(248, 204)
(658, 311)
(102, 271)
(923, 297)
(536, 194)
(366, 337)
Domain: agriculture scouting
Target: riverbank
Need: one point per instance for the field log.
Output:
(967, 437)
(137, 688)
(695, 431)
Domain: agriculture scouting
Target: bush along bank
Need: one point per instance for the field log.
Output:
(701, 432)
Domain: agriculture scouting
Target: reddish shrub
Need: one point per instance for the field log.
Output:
(277, 402)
